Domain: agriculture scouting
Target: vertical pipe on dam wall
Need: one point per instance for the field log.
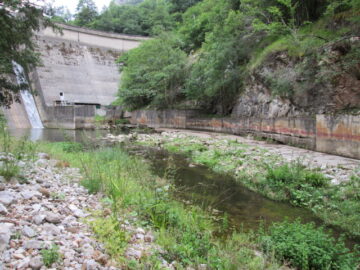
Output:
(339, 135)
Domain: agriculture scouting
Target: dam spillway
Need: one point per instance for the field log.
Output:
(27, 97)
(81, 64)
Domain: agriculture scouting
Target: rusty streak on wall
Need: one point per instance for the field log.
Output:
(330, 134)
(338, 134)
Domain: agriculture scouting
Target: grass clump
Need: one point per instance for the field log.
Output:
(293, 182)
(108, 231)
(306, 247)
(50, 255)
(276, 178)
(12, 152)
(187, 234)
(72, 147)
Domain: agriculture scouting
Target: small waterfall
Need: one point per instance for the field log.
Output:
(27, 97)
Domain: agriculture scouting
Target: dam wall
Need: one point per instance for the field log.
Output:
(333, 134)
(78, 64)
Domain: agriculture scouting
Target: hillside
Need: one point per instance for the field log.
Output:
(263, 58)
(278, 57)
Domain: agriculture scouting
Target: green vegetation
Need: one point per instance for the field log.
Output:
(50, 255)
(275, 178)
(226, 41)
(206, 51)
(12, 152)
(306, 247)
(108, 232)
(162, 74)
(187, 234)
(18, 21)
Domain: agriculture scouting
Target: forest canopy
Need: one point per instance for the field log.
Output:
(202, 52)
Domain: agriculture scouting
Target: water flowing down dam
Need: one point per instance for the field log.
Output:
(79, 68)
(27, 97)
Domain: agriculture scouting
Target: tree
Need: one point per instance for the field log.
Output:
(153, 73)
(59, 14)
(179, 6)
(216, 77)
(86, 12)
(18, 21)
(147, 18)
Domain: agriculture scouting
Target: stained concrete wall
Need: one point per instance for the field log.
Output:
(338, 134)
(93, 38)
(330, 134)
(80, 63)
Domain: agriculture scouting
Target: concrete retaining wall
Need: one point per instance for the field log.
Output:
(70, 117)
(338, 135)
(330, 134)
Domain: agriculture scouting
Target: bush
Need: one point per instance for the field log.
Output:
(70, 147)
(307, 247)
(50, 255)
(294, 174)
(154, 74)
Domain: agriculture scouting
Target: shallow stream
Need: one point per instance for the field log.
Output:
(200, 185)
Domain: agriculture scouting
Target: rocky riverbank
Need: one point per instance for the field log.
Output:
(328, 185)
(254, 152)
(43, 221)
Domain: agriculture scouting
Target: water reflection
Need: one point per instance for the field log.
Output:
(57, 135)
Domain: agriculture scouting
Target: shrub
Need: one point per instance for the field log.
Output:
(307, 247)
(69, 147)
(50, 255)
(294, 174)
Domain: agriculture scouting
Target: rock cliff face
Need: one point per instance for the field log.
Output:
(285, 86)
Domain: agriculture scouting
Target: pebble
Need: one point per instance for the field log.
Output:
(40, 222)
(3, 209)
(34, 244)
(44, 192)
(6, 198)
(5, 234)
(53, 218)
(38, 219)
(28, 232)
(36, 263)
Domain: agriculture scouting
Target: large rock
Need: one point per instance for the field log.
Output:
(51, 229)
(3, 210)
(6, 197)
(76, 211)
(28, 232)
(36, 263)
(34, 244)
(53, 218)
(28, 194)
(38, 219)
(5, 234)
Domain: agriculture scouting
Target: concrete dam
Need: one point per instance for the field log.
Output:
(78, 77)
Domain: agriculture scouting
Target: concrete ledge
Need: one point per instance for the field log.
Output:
(338, 135)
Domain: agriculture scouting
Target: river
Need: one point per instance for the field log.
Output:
(198, 184)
